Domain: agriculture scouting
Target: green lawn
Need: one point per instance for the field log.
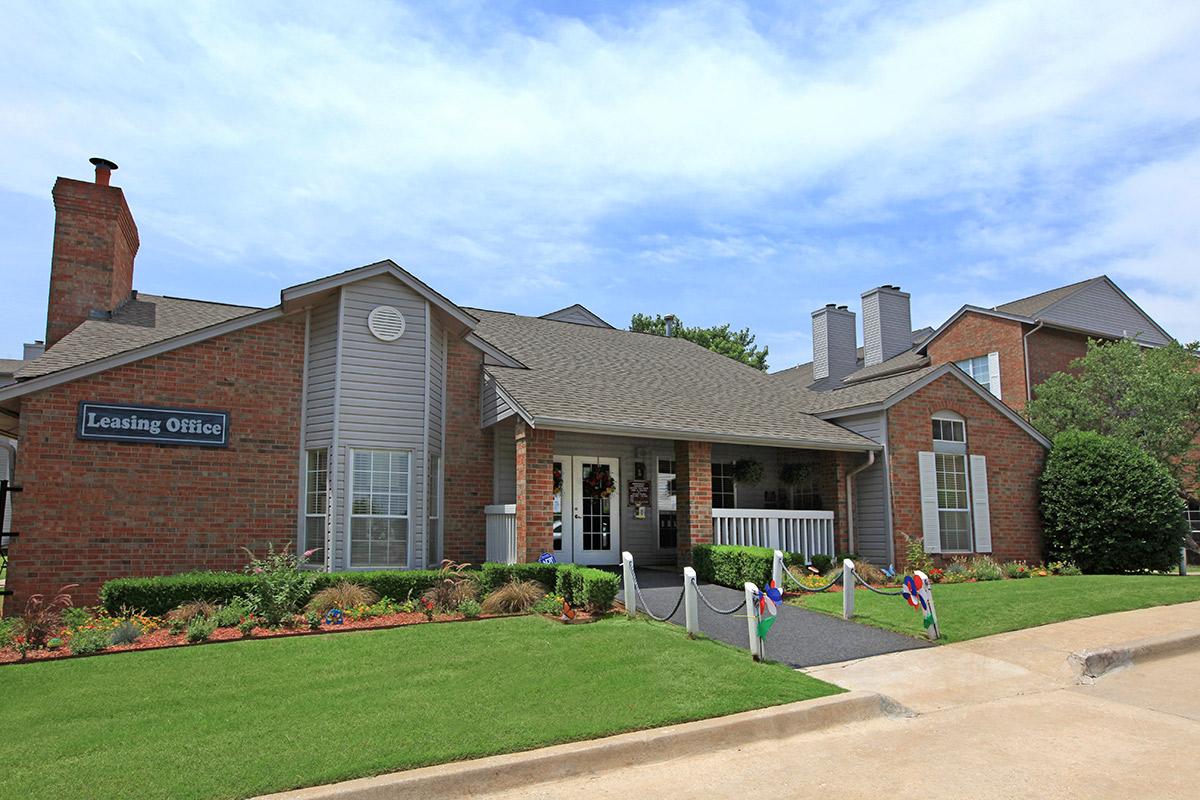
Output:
(232, 720)
(970, 610)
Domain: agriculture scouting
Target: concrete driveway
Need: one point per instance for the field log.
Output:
(998, 717)
(800, 638)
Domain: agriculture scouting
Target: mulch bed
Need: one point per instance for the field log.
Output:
(162, 638)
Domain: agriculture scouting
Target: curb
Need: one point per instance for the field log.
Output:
(1091, 664)
(557, 762)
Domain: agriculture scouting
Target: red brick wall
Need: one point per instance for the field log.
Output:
(693, 479)
(468, 457)
(95, 241)
(833, 469)
(535, 491)
(976, 335)
(1052, 351)
(95, 510)
(1014, 463)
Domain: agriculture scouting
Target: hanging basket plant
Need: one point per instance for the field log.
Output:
(747, 471)
(795, 474)
(557, 479)
(599, 482)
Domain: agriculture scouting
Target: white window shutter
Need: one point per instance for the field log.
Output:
(980, 507)
(994, 373)
(931, 527)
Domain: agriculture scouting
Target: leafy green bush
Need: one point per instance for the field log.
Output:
(86, 641)
(1108, 506)
(585, 587)
(396, 584)
(733, 566)
(492, 576)
(9, 628)
(470, 609)
(985, 569)
(159, 595)
(230, 614)
(1063, 568)
(1015, 569)
(280, 587)
(75, 617)
(200, 628)
(820, 562)
(550, 604)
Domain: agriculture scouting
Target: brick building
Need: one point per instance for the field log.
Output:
(370, 419)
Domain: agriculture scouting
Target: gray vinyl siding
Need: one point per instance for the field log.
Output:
(872, 518)
(504, 472)
(1101, 308)
(322, 366)
(771, 459)
(492, 406)
(437, 382)
(575, 315)
(7, 449)
(381, 402)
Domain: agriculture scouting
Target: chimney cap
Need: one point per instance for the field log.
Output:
(102, 163)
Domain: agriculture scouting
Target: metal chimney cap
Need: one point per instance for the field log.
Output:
(102, 163)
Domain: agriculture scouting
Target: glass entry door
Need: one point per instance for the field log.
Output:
(596, 510)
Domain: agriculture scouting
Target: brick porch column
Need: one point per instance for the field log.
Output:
(535, 492)
(693, 482)
(833, 469)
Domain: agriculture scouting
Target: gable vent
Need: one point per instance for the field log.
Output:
(386, 323)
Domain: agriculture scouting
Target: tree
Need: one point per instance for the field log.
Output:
(738, 345)
(1149, 397)
(1109, 506)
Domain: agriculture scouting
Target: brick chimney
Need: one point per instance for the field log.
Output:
(887, 324)
(835, 342)
(95, 241)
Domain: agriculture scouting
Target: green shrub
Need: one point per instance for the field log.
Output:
(8, 629)
(230, 614)
(733, 566)
(915, 557)
(1063, 568)
(344, 595)
(820, 562)
(247, 625)
(75, 617)
(86, 641)
(1016, 569)
(585, 587)
(200, 628)
(396, 584)
(1108, 506)
(127, 632)
(985, 569)
(492, 576)
(470, 609)
(159, 595)
(279, 587)
(550, 604)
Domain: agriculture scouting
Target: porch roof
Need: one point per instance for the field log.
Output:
(621, 382)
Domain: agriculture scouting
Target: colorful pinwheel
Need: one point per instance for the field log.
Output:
(768, 600)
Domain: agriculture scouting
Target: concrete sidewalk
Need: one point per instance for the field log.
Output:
(998, 717)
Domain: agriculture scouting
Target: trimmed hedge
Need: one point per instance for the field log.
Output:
(732, 566)
(585, 587)
(1108, 506)
(590, 588)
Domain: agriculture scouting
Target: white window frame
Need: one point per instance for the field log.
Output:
(987, 366)
(351, 516)
(309, 453)
(729, 477)
(958, 449)
(434, 544)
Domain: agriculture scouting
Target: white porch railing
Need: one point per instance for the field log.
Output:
(501, 533)
(806, 532)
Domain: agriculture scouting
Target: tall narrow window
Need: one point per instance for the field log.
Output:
(724, 493)
(433, 537)
(316, 498)
(668, 530)
(950, 467)
(379, 508)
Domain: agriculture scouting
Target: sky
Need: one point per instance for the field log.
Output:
(726, 162)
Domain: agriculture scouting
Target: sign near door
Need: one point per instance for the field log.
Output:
(152, 425)
(639, 492)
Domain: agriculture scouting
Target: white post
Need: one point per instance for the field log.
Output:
(777, 569)
(689, 601)
(848, 589)
(630, 591)
(927, 591)
(752, 621)
(1183, 561)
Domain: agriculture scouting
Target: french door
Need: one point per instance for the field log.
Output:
(587, 510)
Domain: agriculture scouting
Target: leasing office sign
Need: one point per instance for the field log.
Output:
(121, 423)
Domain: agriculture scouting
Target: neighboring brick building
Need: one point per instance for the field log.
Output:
(370, 420)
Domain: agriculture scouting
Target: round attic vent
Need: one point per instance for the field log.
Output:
(386, 323)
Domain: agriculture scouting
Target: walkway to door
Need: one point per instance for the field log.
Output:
(801, 638)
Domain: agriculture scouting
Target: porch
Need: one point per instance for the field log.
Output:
(584, 497)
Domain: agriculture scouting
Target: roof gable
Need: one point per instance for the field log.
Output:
(577, 314)
(1100, 306)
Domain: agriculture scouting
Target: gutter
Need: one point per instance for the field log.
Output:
(1025, 354)
(850, 498)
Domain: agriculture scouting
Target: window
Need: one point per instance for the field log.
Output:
(668, 529)
(950, 470)
(558, 506)
(316, 498)
(379, 508)
(433, 536)
(723, 489)
(984, 369)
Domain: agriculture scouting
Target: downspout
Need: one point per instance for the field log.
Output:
(1025, 353)
(850, 498)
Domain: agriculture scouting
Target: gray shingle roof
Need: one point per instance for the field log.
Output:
(608, 378)
(1034, 304)
(142, 321)
(10, 365)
